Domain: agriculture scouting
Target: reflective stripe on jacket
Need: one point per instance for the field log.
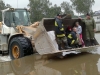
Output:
(59, 28)
(72, 37)
(62, 35)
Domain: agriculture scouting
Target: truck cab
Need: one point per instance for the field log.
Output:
(13, 17)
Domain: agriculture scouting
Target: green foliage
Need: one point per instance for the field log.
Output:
(44, 9)
(82, 6)
(2, 7)
(67, 8)
(39, 9)
(53, 11)
(8, 6)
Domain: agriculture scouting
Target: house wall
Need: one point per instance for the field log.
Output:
(97, 20)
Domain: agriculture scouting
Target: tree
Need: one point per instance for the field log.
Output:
(44, 9)
(39, 9)
(8, 6)
(2, 6)
(54, 10)
(67, 8)
(82, 6)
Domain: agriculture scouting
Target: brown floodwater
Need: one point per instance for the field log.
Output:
(72, 64)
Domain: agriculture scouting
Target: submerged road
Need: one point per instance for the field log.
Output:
(71, 64)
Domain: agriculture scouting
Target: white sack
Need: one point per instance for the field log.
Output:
(53, 38)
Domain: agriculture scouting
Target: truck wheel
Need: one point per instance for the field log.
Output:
(19, 47)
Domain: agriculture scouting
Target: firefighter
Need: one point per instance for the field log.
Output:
(60, 33)
(90, 30)
(73, 39)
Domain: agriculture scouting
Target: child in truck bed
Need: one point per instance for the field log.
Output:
(79, 32)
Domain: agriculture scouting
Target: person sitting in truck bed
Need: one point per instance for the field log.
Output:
(73, 39)
(68, 30)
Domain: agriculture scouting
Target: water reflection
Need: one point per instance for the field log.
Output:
(80, 64)
(98, 65)
(73, 64)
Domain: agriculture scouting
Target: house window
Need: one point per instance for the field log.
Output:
(98, 17)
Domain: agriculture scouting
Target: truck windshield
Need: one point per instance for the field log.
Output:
(21, 17)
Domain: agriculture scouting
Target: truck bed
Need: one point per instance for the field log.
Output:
(44, 43)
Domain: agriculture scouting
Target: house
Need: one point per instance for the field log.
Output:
(96, 17)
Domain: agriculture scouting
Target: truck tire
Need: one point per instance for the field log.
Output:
(19, 47)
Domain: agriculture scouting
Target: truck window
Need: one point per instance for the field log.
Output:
(8, 18)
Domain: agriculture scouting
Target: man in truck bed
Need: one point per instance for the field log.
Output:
(90, 30)
(60, 33)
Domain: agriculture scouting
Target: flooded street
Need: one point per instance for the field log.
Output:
(71, 64)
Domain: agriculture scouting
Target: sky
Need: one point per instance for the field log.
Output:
(24, 3)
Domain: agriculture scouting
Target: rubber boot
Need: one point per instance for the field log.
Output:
(88, 43)
(73, 46)
(80, 46)
(77, 46)
(60, 47)
(67, 46)
(93, 42)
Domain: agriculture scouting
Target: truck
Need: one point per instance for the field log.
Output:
(19, 38)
